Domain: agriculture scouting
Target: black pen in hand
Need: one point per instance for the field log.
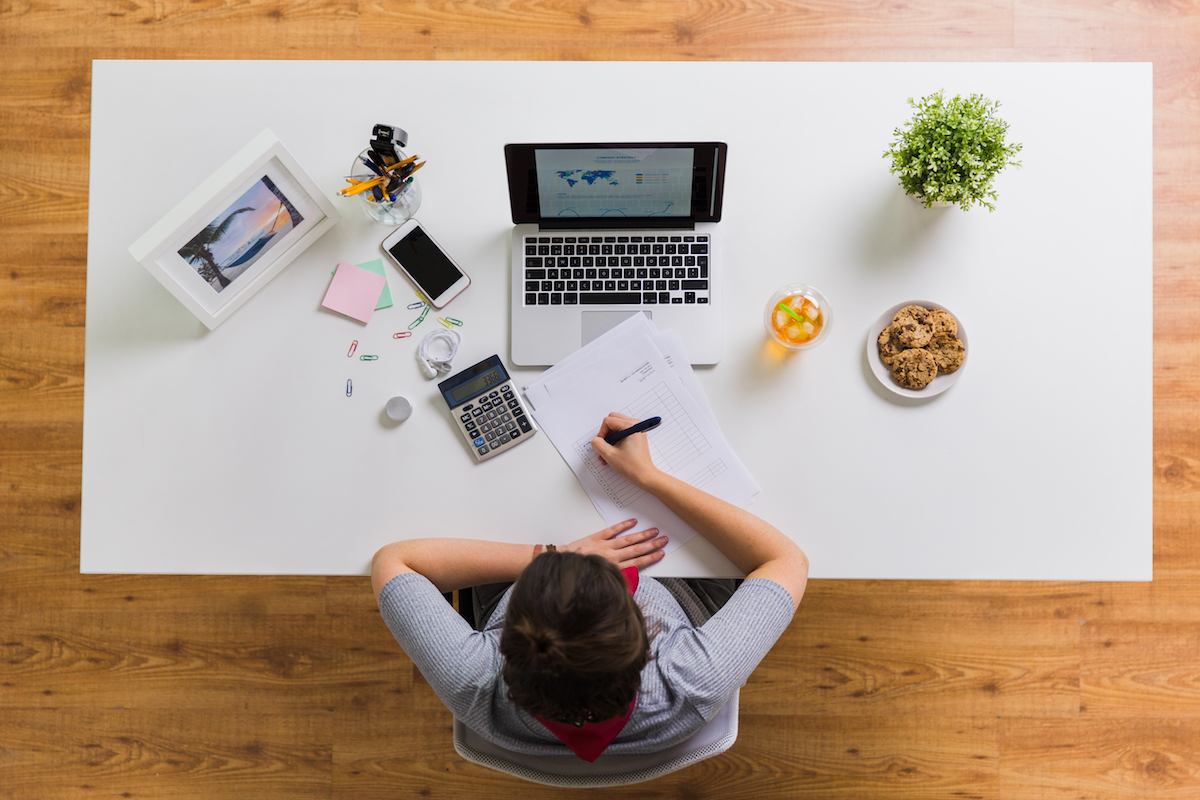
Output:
(641, 427)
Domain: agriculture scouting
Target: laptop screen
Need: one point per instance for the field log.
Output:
(616, 185)
(626, 182)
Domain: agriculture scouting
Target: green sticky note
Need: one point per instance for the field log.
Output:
(376, 266)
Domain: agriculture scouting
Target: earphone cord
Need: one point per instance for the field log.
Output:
(434, 366)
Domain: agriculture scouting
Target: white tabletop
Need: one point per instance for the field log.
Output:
(237, 450)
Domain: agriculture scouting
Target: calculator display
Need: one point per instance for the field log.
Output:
(461, 393)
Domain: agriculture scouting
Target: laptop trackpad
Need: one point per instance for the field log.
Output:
(596, 323)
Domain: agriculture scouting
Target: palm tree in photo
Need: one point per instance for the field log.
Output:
(198, 252)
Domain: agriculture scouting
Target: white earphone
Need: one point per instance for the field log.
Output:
(431, 365)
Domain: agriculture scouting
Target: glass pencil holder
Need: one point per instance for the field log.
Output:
(391, 209)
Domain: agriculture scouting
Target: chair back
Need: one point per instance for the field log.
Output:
(570, 771)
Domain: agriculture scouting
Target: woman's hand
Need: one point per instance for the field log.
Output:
(631, 456)
(639, 549)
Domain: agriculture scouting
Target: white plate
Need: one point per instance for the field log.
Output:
(939, 384)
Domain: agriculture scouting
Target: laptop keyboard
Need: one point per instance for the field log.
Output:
(650, 269)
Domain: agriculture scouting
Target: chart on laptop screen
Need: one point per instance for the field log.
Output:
(645, 182)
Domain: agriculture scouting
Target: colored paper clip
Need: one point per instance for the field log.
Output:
(416, 305)
(454, 321)
(419, 319)
(353, 347)
(349, 387)
(445, 322)
(368, 358)
(402, 335)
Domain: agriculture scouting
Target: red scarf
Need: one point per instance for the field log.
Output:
(589, 741)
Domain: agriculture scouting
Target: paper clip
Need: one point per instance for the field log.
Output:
(454, 321)
(349, 387)
(402, 335)
(419, 319)
(445, 322)
(368, 358)
(353, 347)
(416, 305)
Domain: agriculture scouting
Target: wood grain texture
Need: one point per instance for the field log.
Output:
(230, 687)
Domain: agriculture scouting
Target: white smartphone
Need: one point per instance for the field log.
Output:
(425, 263)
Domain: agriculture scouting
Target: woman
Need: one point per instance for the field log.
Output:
(579, 652)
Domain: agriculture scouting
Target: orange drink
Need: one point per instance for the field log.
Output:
(798, 316)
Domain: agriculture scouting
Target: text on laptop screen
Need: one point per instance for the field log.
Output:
(646, 182)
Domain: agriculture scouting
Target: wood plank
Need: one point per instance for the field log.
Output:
(1106, 23)
(252, 29)
(651, 27)
(43, 279)
(44, 98)
(181, 753)
(43, 186)
(1099, 759)
(41, 374)
(851, 665)
(269, 663)
(1140, 669)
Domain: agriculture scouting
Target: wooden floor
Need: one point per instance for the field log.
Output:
(222, 687)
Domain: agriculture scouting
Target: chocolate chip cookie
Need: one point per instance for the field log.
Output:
(909, 330)
(947, 351)
(914, 368)
(889, 347)
(940, 321)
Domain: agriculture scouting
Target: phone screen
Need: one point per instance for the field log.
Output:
(425, 262)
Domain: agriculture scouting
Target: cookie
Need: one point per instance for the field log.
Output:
(940, 321)
(914, 369)
(909, 331)
(919, 313)
(889, 347)
(947, 351)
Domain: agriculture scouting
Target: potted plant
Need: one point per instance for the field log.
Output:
(951, 150)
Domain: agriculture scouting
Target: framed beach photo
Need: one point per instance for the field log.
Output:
(236, 231)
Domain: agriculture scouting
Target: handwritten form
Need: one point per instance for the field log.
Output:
(639, 371)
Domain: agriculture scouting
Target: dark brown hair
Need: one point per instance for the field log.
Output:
(574, 641)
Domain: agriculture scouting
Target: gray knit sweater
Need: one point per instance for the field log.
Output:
(694, 671)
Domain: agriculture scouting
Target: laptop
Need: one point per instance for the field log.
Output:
(604, 231)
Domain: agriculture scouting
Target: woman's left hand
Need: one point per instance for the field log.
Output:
(640, 549)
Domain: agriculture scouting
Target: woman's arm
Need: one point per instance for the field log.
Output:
(456, 563)
(755, 547)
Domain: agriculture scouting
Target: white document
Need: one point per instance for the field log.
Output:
(625, 370)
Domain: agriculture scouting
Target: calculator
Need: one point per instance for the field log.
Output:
(488, 410)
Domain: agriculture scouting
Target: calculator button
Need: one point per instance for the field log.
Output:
(483, 451)
(517, 412)
(510, 426)
(494, 394)
(490, 435)
(491, 415)
(524, 423)
(513, 404)
(515, 434)
(465, 417)
(477, 412)
(478, 441)
(504, 439)
(471, 425)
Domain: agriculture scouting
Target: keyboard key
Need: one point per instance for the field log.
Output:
(570, 299)
(660, 286)
(674, 286)
(634, 286)
(585, 286)
(552, 274)
(576, 274)
(701, 300)
(699, 248)
(531, 286)
(610, 286)
(676, 239)
(533, 262)
(609, 298)
(693, 272)
(589, 274)
(689, 298)
(556, 299)
(695, 284)
(535, 274)
(563, 261)
(544, 299)
(649, 298)
(654, 273)
(664, 298)
(530, 299)
(572, 286)
(675, 300)
(543, 249)
(531, 249)
(547, 286)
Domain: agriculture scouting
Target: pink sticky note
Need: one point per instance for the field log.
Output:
(354, 292)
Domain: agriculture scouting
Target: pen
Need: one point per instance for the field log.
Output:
(641, 427)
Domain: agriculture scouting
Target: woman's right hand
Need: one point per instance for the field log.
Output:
(631, 456)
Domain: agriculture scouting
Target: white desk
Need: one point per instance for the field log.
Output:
(237, 451)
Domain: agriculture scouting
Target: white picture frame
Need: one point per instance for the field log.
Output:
(236, 231)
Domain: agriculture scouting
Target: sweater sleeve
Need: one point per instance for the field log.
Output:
(459, 663)
(708, 664)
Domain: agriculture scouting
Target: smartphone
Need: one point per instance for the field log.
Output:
(425, 263)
